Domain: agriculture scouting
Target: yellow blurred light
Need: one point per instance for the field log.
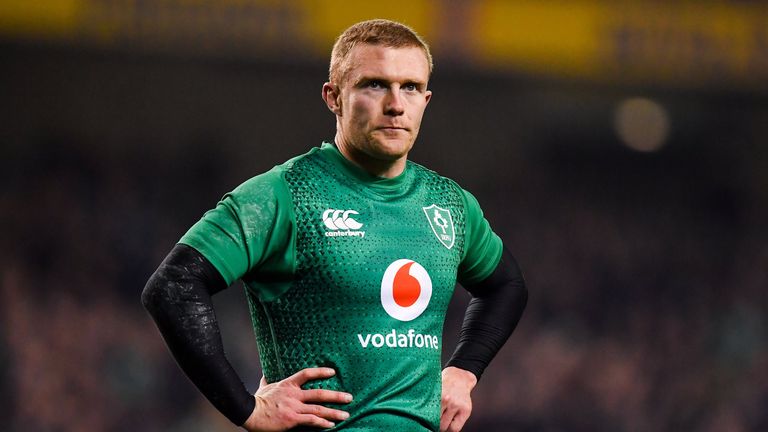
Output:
(47, 18)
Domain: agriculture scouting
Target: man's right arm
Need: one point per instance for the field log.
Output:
(178, 296)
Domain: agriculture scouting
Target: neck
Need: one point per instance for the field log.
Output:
(377, 167)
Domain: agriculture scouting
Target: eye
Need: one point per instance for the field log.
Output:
(374, 84)
(411, 87)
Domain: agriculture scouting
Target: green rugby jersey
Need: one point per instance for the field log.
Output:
(350, 271)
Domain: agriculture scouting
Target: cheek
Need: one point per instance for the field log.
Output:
(417, 110)
(360, 111)
(360, 105)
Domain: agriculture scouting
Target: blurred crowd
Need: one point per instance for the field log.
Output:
(646, 313)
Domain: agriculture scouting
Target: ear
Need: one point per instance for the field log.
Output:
(428, 95)
(331, 96)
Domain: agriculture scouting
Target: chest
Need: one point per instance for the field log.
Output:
(358, 242)
(342, 226)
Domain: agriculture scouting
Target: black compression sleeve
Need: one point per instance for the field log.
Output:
(493, 313)
(178, 296)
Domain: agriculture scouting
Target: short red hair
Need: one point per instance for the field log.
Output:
(375, 32)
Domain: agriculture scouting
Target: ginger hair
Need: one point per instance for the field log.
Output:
(374, 32)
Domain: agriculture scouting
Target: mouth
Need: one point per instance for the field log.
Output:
(391, 128)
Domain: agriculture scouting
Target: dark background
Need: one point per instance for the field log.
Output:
(647, 270)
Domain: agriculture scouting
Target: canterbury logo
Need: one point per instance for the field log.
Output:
(341, 224)
(341, 220)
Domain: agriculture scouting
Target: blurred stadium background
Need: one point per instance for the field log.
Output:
(619, 148)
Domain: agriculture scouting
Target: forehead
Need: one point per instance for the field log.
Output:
(393, 64)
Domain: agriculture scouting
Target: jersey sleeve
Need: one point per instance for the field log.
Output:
(483, 247)
(252, 229)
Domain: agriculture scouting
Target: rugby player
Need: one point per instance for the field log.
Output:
(349, 255)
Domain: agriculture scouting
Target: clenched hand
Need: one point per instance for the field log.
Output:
(456, 403)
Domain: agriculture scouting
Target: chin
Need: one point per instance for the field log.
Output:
(391, 149)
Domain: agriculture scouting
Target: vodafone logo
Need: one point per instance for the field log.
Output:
(405, 290)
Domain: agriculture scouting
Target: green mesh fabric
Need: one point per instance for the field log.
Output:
(332, 312)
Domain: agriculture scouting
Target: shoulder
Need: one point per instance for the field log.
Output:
(271, 182)
(431, 175)
(442, 181)
(261, 185)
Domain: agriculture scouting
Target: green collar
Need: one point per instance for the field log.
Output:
(381, 185)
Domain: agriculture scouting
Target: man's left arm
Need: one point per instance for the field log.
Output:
(497, 304)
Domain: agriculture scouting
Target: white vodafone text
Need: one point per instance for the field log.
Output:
(394, 339)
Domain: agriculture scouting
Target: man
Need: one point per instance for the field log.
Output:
(349, 255)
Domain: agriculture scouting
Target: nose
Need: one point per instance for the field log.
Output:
(393, 104)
